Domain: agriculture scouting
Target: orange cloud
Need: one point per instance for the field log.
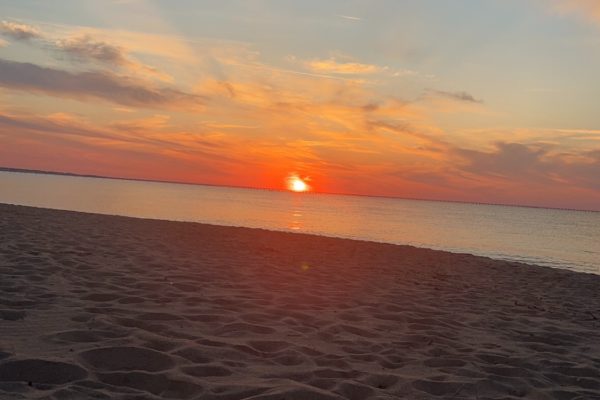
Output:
(325, 128)
(250, 124)
(332, 66)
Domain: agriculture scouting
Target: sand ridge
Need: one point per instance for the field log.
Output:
(106, 307)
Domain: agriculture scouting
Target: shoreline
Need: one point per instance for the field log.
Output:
(99, 306)
(571, 268)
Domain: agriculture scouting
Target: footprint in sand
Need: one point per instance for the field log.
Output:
(127, 359)
(12, 315)
(40, 371)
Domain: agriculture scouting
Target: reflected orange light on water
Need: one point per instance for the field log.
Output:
(296, 223)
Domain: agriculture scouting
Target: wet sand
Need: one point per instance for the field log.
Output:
(100, 307)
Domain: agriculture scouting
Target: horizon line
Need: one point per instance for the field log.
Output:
(74, 174)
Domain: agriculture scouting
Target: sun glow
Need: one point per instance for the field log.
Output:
(297, 184)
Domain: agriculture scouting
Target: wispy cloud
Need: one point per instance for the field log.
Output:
(91, 85)
(434, 102)
(82, 47)
(349, 17)
(86, 48)
(153, 122)
(171, 47)
(143, 133)
(19, 31)
(459, 96)
(49, 126)
(61, 142)
(341, 66)
(332, 66)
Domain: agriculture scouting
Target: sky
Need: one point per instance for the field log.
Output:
(493, 101)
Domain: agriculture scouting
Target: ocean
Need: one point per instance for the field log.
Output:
(557, 238)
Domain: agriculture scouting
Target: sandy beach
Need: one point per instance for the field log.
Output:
(102, 307)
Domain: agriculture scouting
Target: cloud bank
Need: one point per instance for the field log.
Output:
(91, 85)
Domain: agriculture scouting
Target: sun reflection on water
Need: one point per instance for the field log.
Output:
(296, 221)
(297, 214)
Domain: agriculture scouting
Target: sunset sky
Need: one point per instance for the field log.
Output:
(494, 101)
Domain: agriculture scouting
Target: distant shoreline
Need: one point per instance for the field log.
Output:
(72, 174)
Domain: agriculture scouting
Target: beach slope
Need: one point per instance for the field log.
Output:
(103, 307)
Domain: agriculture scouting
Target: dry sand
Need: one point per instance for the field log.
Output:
(99, 307)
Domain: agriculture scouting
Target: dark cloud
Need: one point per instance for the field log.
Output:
(370, 107)
(595, 155)
(534, 163)
(507, 160)
(19, 31)
(460, 96)
(229, 87)
(86, 48)
(405, 128)
(80, 48)
(586, 170)
(91, 85)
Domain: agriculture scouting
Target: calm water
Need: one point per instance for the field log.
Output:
(557, 238)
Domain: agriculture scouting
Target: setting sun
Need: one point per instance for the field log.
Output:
(297, 184)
